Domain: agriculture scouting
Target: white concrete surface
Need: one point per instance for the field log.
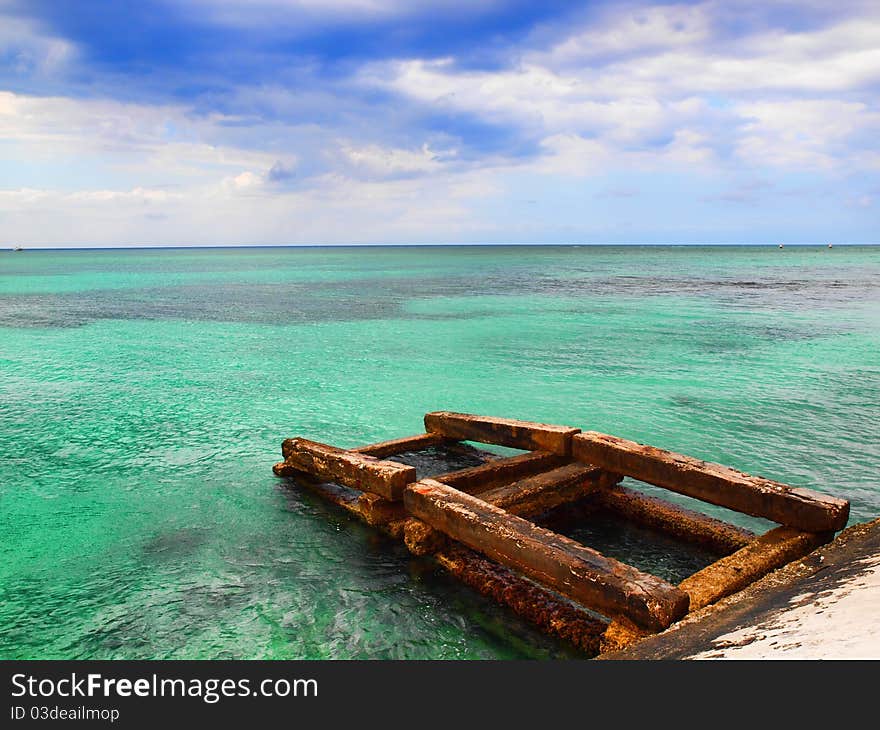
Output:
(838, 623)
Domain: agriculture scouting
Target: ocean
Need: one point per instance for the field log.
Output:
(144, 395)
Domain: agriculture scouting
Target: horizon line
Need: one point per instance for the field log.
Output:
(13, 248)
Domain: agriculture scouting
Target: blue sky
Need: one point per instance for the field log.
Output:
(221, 122)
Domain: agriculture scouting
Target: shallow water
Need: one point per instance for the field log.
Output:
(144, 396)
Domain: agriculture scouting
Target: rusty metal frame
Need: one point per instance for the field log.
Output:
(503, 493)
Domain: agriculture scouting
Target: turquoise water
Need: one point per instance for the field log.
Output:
(144, 396)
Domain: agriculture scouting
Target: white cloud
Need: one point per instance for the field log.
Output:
(571, 155)
(803, 133)
(842, 56)
(389, 161)
(691, 147)
(678, 47)
(138, 195)
(192, 188)
(637, 92)
(28, 50)
(240, 209)
(811, 120)
(532, 97)
(632, 30)
(663, 85)
(10, 198)
(244, 181)
(166, 140)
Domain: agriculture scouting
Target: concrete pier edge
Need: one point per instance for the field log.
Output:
(823, 606)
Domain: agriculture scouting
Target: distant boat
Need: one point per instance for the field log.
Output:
(781, 246)
(16, 248)
(830, 245)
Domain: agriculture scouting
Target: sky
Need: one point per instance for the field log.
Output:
(294, 122)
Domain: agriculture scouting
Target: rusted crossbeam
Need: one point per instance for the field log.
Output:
(713, 483)
(477, 479)
(358, 471)
(398, 446)
(546, 609)
(768, 552)
(547, 490)
(600, 583)
(684, 524)
(501, 431)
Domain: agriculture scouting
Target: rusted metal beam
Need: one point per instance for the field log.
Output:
(541, 492)
(721, 485)
(398, 446)
(421, 539)
(283, 469)
(548, 610)
(358, 471)
(332, 493)
(602, 584)
(684, 524)
(477, 479)
(768, 552)
(352, 501)
(621, 634)
(378, 511)
(501, 431)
